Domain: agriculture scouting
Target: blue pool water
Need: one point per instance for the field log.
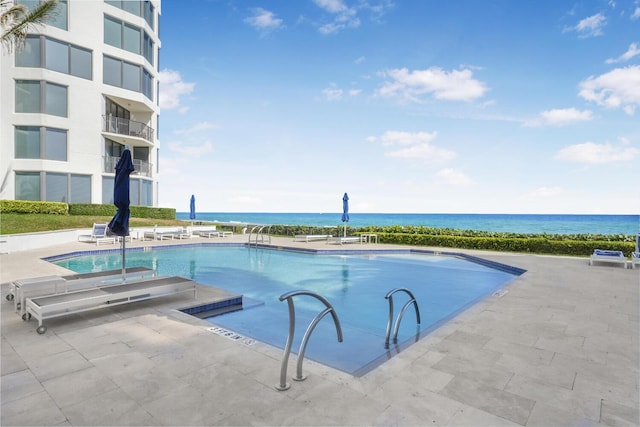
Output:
(355, 285)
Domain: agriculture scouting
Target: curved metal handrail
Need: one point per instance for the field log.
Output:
(260, 234)
(305, 339)
(412, 300)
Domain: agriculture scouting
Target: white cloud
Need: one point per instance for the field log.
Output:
(456, 85)
(636, 13)
(263, 20)
(592, 153)
(172, 88)
(407, 145)
(454, 177)
(543, 193)
(344, 16)
(198, 127)
(332, 93)
(619, 88)
(630, 53)
(560, 117)
(590, 26)
(190, 148)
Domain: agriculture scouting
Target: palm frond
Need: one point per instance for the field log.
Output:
(20, 21)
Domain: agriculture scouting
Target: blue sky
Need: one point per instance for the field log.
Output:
(461, 106)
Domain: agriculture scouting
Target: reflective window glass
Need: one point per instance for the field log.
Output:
(27, 142)
(80, 189)
(27, 185)
(134, 192)
(57, 56)
(148, 11)
(112, 31)
(27, 96)
(132, 6)
(55, 144)
(81, 62)
(112, 71)
(131, 39)
(61, 16)
(131, 76)
(107, 190)
(56, 187)
(56, 100)
(29, 55)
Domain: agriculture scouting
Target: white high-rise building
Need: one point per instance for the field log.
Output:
(84, 87)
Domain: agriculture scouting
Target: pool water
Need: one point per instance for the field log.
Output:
(355, 285)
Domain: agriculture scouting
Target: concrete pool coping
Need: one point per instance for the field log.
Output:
(560, 347)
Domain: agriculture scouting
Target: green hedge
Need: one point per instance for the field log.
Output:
(90, 209)
(33, 207)
(538, 245)
(110, 210)
(553, 244)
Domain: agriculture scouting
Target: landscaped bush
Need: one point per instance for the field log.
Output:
(553, 244)
(110, 210)
(33, 207)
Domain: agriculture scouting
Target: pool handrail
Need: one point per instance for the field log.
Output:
(283, 385)
(412, 300)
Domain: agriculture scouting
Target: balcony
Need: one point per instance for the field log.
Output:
(142, 168)
(127, 127)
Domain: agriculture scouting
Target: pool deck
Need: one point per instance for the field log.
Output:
(559, 348)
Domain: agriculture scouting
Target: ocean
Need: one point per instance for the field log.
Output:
(511, 223)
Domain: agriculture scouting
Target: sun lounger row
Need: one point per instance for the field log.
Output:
(214, 233)
(311, 237)
(343, 240)
(20, 290)
(52, 306)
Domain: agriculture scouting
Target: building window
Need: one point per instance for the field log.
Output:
(148, 12)
(140, 191)
(27, 185)
(60, 18)
(128, 37)
(33, 96)
(107, 190)
(53, 187)
(127, 76)
(32, 142)
(55, 55)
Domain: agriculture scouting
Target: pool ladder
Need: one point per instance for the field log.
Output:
(305, 339)
(259, 234)
(412, 300)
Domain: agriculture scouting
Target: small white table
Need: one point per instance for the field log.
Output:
(367, 238)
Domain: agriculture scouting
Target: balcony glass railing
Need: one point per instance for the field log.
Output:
(127, 127)
(142, 168)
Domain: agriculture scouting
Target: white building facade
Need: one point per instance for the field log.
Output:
(84, 87)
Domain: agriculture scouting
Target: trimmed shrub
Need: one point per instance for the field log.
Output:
(110, 210)
(33, 207)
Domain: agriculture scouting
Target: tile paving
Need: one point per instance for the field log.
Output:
(559, 348)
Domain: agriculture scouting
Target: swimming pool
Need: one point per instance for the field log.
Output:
(355, 284)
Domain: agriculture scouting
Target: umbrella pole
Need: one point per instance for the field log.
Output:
(124, 277)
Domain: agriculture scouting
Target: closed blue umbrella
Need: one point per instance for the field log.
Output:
(119, 224)
(192, 208)
(345, 212)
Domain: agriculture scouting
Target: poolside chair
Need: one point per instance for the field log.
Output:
(616, 257)
(635, 255)
(158, 235)
(98, 235)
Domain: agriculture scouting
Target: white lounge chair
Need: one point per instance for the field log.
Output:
(98, 235)
(343, 240)
(20, 290)
(635, 255)
(159, 235)
(311, 237)
(601, 255)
